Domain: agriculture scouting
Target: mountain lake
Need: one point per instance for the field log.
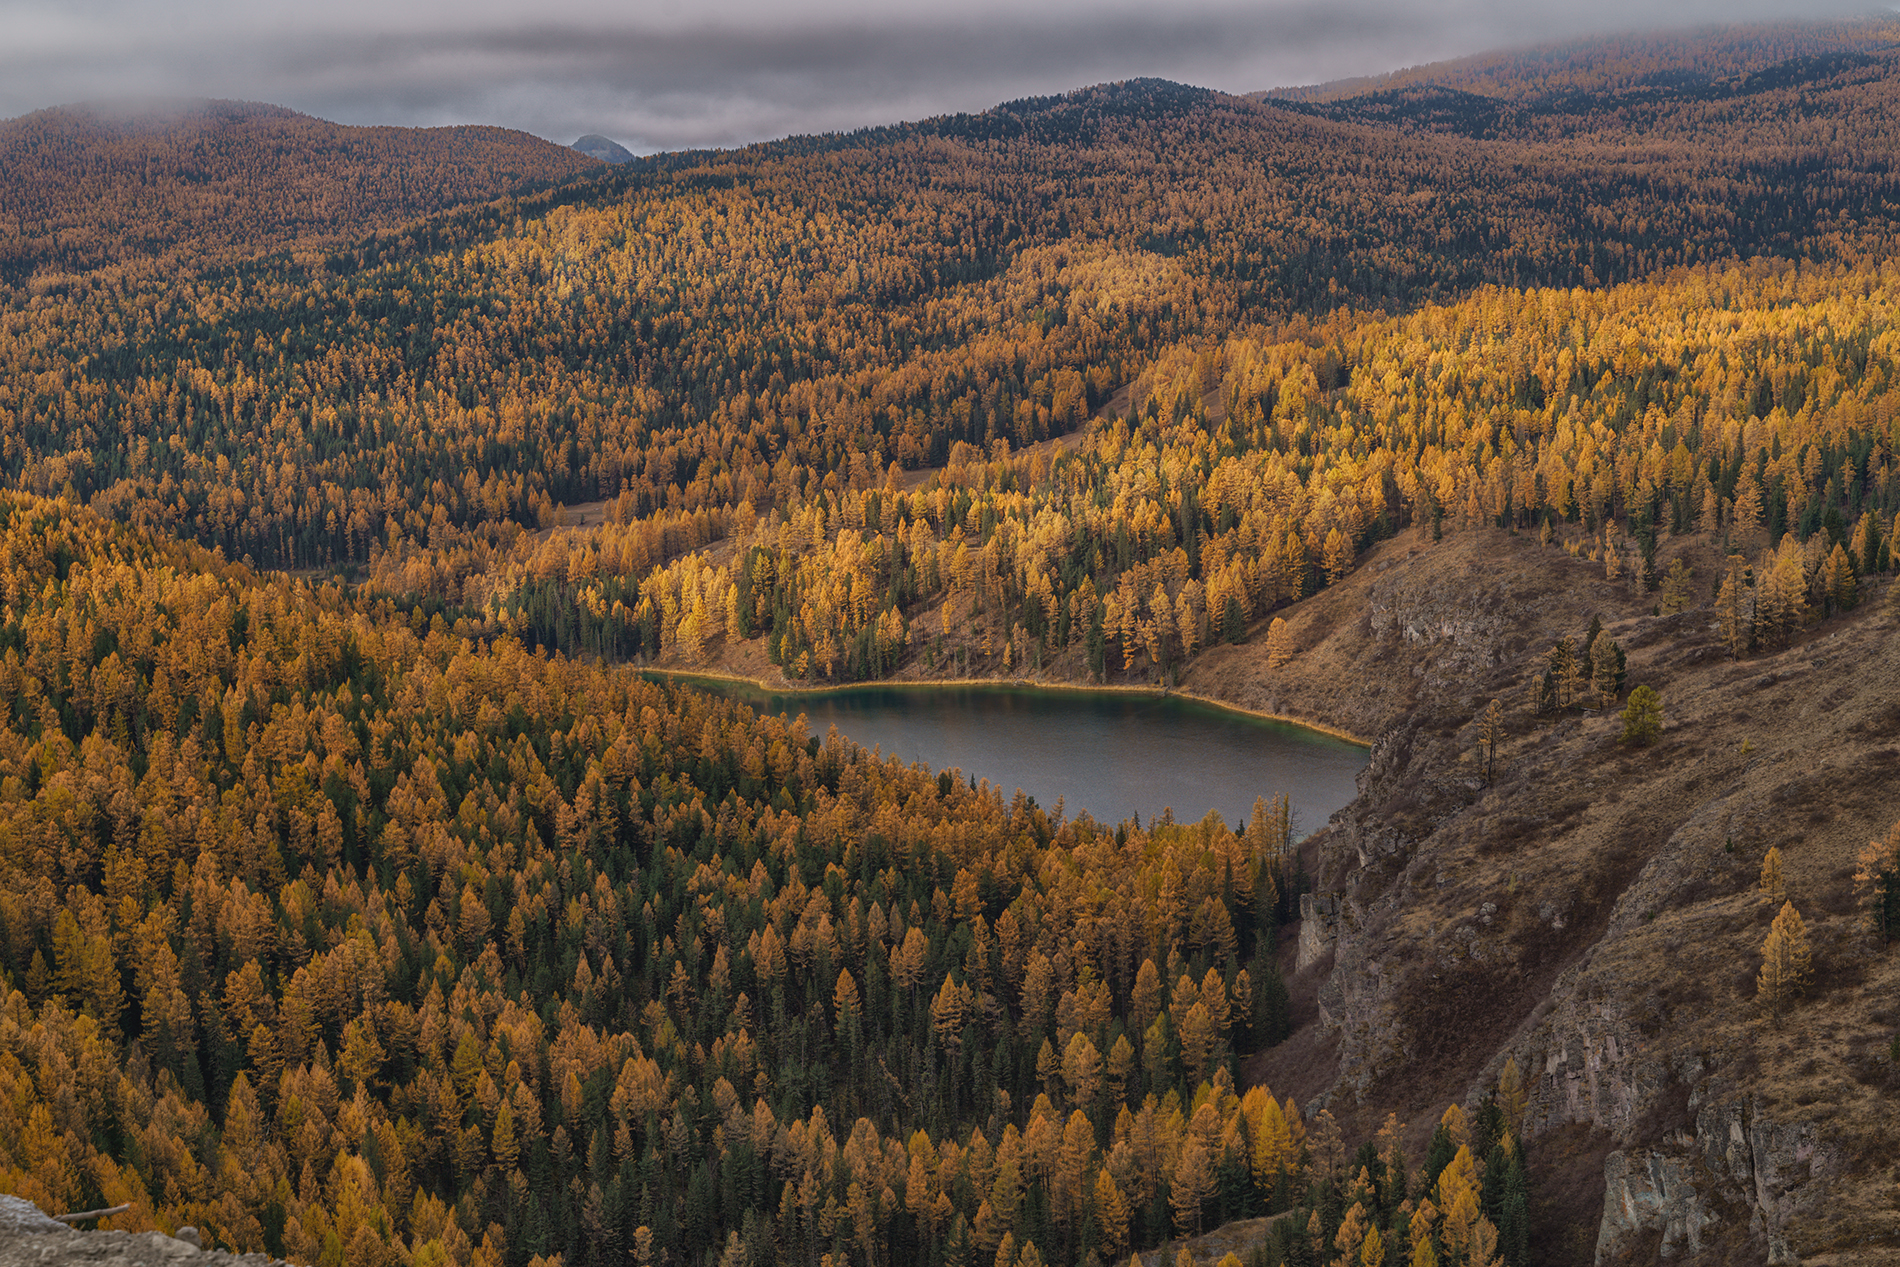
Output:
(1115, 754)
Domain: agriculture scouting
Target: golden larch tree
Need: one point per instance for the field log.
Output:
(1735, 608)
(1786, 961)
(1192, 1185)
(1771, 871)
(1279, 643)
(1351, 1234)
(1111, 1213)
(1877, 881)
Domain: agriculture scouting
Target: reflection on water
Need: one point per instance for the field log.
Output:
(1112, 753)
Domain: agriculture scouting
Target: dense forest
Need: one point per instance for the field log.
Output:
(1758, 405)
(361, 903)
(132, 195)
(736, 329)
(364, 943)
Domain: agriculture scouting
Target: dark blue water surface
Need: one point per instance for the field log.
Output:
(1112, 753)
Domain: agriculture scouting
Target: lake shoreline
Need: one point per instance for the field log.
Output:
(1331, 732)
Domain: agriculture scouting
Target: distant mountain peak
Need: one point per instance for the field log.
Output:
(595, 146)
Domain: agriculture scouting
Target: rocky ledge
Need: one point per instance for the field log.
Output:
(29, 1236)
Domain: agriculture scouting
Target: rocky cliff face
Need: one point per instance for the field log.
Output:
(1594, 912)
(1736, 1169)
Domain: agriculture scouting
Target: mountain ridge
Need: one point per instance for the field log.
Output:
(138, 187)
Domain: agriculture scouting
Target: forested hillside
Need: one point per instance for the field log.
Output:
(109, 196)
(1600, 75)
(1756, 407)
(368, 944)
(359, 901)
(740, 327)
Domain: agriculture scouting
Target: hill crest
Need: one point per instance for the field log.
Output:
(133, 187)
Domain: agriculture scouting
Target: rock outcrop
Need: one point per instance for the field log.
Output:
(29, 1237)
(20, 1217)
(1738, 1169)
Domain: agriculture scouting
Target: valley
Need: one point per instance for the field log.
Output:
(377, 886)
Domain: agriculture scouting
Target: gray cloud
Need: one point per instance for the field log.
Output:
(731, 71)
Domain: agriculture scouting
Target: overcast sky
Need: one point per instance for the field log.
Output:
(669, 74)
